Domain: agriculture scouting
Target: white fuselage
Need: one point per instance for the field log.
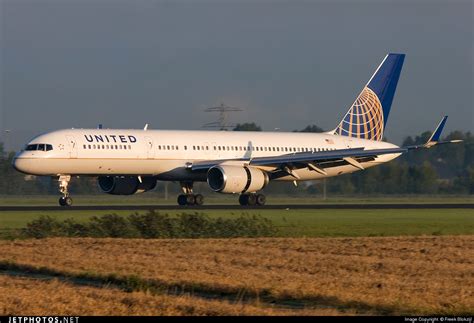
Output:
(167, 154)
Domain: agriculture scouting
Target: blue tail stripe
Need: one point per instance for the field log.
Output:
(384, 82)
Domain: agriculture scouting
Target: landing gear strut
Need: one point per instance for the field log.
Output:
(64, 200)
(188, 198)
(252, 199)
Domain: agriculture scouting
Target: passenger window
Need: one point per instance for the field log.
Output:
(85, 147)
(185, 147)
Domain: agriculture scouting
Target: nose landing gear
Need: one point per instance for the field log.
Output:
(64, 200)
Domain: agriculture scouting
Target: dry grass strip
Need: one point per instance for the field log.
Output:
(394, 275)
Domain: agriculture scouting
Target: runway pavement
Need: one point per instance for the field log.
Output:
(238, 207)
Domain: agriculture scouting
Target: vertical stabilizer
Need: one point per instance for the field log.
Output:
(368, 115)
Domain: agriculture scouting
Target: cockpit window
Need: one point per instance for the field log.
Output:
(39, 147)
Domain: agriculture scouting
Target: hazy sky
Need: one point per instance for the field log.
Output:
(78, 63)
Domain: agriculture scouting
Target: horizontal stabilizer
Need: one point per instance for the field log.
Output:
(434, 139)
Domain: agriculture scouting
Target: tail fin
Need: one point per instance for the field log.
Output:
(368, 115)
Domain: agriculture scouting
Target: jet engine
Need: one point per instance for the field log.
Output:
(236, 179)
(125, 185)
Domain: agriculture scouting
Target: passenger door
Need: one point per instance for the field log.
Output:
(150, 152)
(72, 146)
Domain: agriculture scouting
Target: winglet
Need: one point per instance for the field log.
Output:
(434, 139)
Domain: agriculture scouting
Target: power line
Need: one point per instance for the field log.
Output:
(223, 110)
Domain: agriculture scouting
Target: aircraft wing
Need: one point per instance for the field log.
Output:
(314, 160)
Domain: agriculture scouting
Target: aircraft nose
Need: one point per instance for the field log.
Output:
(19, 164)
(16, 164)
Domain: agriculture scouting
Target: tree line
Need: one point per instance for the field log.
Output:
(444, 169)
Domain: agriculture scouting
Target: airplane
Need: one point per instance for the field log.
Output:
(128, 161)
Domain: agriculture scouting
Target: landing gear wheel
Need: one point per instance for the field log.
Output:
(190, 199)
(244, 199)
(198, 199)
(65, 201)
(182, 199)
(252, 199)
(68, 201)
(261, 199)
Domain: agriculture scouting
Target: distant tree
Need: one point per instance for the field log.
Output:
(310, 128)
(408, 141)
(247, 127)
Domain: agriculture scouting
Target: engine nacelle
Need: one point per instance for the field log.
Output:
(236, 179)
(125, 185)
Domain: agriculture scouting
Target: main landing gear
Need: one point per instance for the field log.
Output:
(252, 199)
(64, 200)
(188, 198)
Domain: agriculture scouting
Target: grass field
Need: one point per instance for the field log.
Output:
(308, 223)
(324, 262)
(213, 198)
(384, 275)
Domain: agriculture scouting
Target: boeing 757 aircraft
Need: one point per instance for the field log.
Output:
(129, 161)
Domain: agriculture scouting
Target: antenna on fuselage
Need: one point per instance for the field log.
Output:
(146, 127)
(222, 121)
